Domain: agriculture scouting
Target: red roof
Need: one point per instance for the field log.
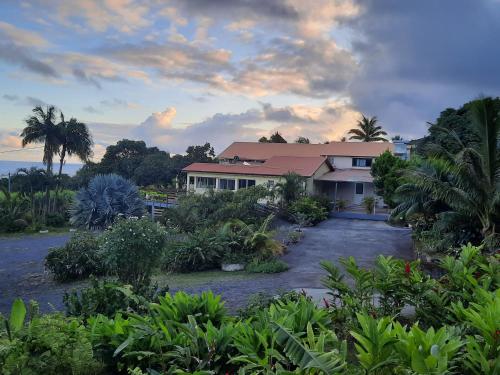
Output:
(264, 151)
(274, 166)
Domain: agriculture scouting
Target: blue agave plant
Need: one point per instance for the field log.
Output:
(106, 197)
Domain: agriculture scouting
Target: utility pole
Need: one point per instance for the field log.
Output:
(9, 184)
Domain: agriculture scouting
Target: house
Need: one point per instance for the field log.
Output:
(340, 170)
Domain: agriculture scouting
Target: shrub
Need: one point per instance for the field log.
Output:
(268, 266)
(106, 298)
(196, 251)
(106, 197)
(78, 258)
(294, 236)
(369, 203)
(19, 225)
(323, 201)
(49, 344)
(55, 220)
(194, 211)
(309, 208)
(132, 249)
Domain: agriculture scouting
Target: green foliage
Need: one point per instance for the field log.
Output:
(456, 329)
(368, 131)
(12, 207)
(459, 188)
(132, 249)
(274, 138)
(205, 308)
(106, 298)
(267, 266)
(144, 165)
(427, 352)
(78, 258)
(386, 171)
(195, 211)
(374, 344)
(309, 209)
(196, 251)
(369, 203)
(290, 188)
(49, 344)
(106, 198)
(323, 201)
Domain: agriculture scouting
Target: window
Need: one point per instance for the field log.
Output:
(227, 184)
(205, 182)
(361, 162)
(359, 188)
(243, 184)
(191, 180)
(270, 184)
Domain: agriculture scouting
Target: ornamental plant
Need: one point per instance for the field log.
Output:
(132, 249)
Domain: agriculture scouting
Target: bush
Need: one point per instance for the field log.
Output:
(49, 344)
(106, 298)
(323, 201)
(196, 251)
(19, 225)
(369, 203)
(106, 197)
(268, 266)
(132, 249)
(79, 258)
(194, 211)
(309, 209)
(55, 220)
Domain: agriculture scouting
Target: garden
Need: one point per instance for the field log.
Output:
(361, 328)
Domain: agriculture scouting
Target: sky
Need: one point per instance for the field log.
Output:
(176, 73)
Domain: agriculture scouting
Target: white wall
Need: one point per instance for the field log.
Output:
(344, 162)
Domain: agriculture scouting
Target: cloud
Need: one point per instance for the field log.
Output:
(26, 101)
(126, 16)
(319, 123)
(92, 109)
(420, 57)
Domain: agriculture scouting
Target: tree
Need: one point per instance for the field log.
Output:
(302, 140)
(472, 175)
(386, 171)
(200, 154)
(124, 157)
(42, 129)
(449, 132)
(75, 139)
(274, 138)
(155, 169)
(290, 188)
(368, 131)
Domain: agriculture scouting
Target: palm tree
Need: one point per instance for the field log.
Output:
(468, 181)
(368, 130)
(290, 188)
(75, 139)
(42, 129)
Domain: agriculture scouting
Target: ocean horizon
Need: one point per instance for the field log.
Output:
(11, 166)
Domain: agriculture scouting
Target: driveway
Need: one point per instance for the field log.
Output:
(22, 273)
(329, 240)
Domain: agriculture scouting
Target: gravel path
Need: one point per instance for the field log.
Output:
(22, 273)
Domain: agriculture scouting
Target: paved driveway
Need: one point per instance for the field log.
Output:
(330, 240)
(22, 274)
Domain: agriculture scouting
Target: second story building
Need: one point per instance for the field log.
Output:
(340, 170)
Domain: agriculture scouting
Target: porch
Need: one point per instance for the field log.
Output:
(348, 188)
